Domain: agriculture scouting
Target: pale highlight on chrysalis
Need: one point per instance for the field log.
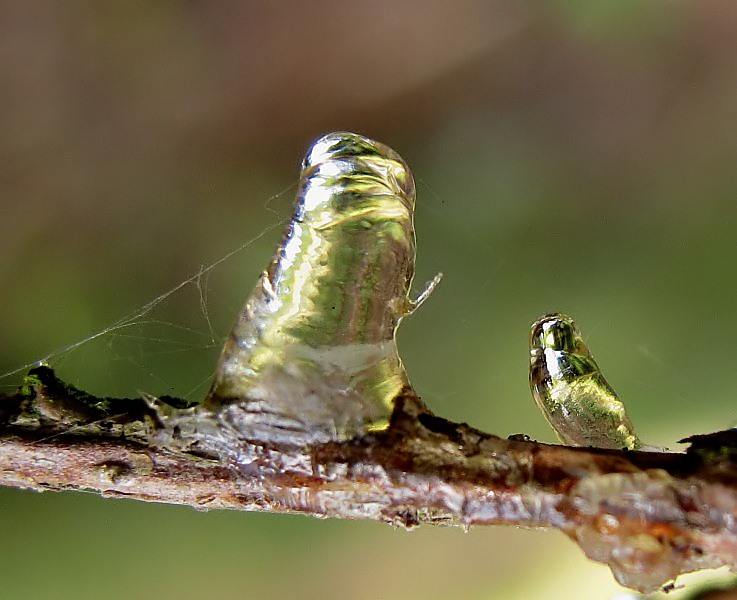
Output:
(570, 390)
(313, 356)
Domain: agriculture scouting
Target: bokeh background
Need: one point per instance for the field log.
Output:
(574, 156)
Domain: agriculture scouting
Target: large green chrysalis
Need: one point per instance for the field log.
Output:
(313, 356)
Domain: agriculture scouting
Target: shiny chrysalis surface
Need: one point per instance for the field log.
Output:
(313, 356)
(570, 389)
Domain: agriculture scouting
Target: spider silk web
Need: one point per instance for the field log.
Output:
(170, 344)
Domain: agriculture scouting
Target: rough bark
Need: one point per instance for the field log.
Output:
(649, 515)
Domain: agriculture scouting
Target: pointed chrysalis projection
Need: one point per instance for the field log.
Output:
(312, 356)
(571, 391)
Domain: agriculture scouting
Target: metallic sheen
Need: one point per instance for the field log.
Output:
(313, 356)
(570, 390)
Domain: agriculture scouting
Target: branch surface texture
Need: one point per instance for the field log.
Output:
(311, 411)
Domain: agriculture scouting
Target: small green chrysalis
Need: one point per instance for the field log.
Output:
(570, 390)
(312, 356)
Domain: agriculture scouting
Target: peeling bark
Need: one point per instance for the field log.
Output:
(649, 515)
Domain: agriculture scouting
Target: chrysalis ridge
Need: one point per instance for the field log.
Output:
(313, 356)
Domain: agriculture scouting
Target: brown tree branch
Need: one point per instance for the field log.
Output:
(651, 516)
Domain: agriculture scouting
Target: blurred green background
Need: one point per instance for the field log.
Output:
(572, 156)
